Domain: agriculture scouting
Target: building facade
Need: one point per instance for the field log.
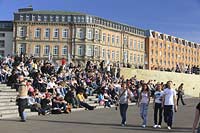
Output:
(6, 38)
(167, 52)
(78, 36)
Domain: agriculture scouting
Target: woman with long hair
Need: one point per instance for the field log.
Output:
(124, 94)
(143, 103)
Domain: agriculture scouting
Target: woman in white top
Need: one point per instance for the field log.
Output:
(124, 95)
(157, 106)
(143, 102)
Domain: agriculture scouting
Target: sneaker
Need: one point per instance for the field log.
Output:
(123, 125)
(169, 128)
(159, 126)
(155, 126)
(23, 120)
(143, 126)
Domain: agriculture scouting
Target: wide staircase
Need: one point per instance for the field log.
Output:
(9, 109)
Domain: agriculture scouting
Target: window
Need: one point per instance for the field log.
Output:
(57, 18)
(138, 58)
(2, 53)
(142, 45)
(138, 45)
(69, 18)
(78, 19)
(160, 45)
(74, 18)
(113, 55)
(135, 44)
(21, 17)
(81, 33)
(55, 50)
(33, 18)
(108, 52)
(108, 38)
(21, 31)
(51, 18)
(64, 50)
(131, 57)
(47, 33)
(117, 39)
(37, 50)
(39, 18)
(83, 19)
(27, 18)
(2, 34)
(103, 53)
(63, 18)
(89, 33)
(125, 41)
(104, 37)
(37, 32)
(56, 33)
(117, 55)
(2, 43)
(46, 50)
(21, 48)
(113, 39)
(96, 51)
(89, 51)
(45, 18)
(135, 57)
(152, 52)
(97, 35)
(80, 50)
(131, 43)
(65, 33)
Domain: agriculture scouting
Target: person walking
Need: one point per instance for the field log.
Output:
(22, 98)
(157, 106)
(124, 94)
(143, 103)
(169, 104)
(196, 119)
(180, 94)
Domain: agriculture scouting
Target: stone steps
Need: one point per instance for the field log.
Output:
(9, 109)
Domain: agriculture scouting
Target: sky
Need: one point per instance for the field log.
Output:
(180, 18)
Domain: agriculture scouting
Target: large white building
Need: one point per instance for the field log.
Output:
(6, 38)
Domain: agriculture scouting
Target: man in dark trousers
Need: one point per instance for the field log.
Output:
(22, 98)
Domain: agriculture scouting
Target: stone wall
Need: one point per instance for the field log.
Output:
(191, 82)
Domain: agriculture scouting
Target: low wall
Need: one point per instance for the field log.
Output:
(191, 82)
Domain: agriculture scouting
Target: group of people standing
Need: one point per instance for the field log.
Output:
(164, 100)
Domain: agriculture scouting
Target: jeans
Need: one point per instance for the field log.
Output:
(123, 110)
(168, 114)
(144, 112)
(158, 107)
(22, 104)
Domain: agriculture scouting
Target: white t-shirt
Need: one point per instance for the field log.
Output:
(169, 96)
(158, 96)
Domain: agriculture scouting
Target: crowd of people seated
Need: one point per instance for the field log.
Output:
(59, 88)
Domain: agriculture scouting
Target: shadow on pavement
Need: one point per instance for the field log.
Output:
(118, 126)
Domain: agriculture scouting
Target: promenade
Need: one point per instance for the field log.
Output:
(100, 121)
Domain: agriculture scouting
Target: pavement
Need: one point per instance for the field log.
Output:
(100, 121)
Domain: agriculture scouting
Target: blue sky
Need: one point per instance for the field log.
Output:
(179, 18)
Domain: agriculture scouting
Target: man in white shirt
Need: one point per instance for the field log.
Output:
(169, 104)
